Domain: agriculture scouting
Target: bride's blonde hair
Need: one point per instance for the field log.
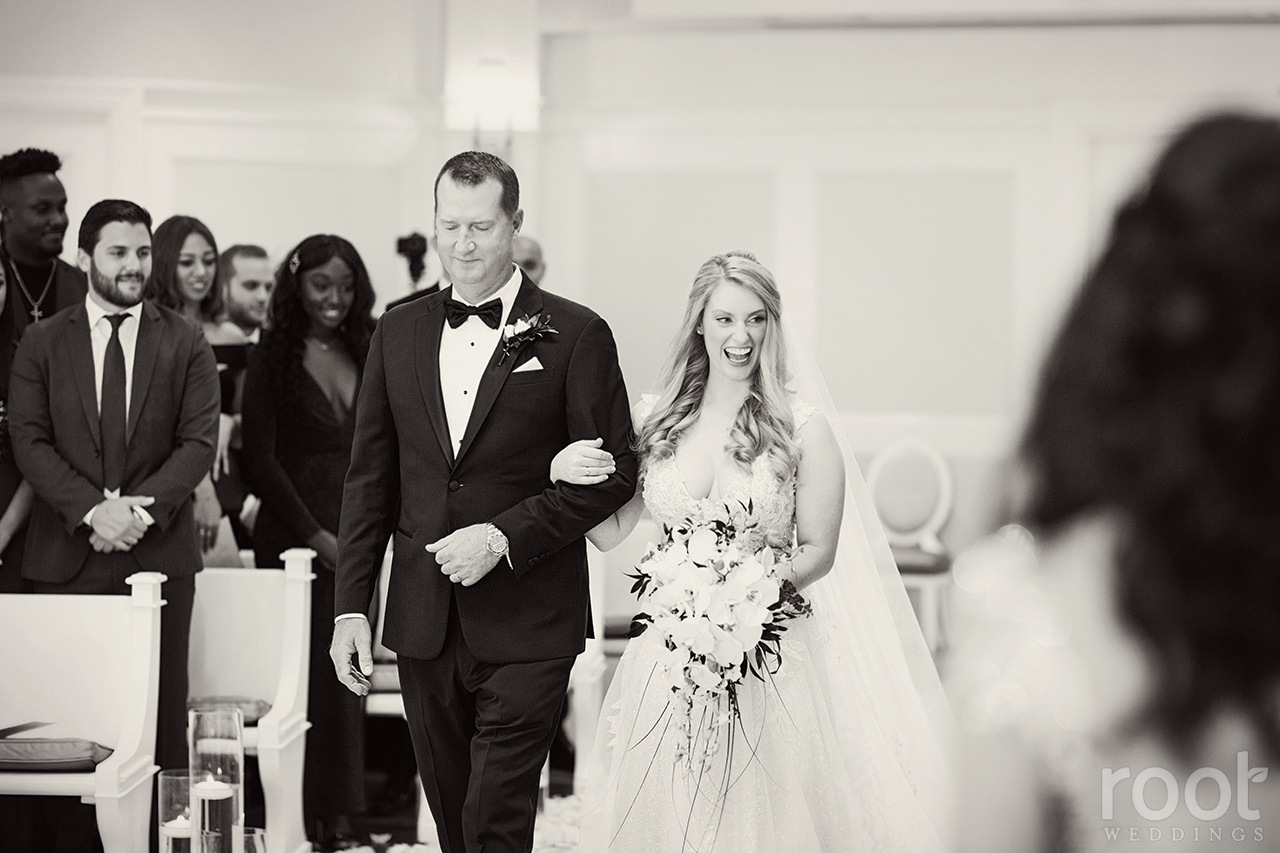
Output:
(764, 425)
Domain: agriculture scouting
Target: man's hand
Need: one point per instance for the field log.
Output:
(464, 554)
(102, 546)
(352, 637)
(114, 521)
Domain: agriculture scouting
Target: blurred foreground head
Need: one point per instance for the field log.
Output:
(1159, 404)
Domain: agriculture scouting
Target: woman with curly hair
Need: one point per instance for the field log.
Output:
(184, 277)
(1131, 625)
(833, 748)
(299, 421)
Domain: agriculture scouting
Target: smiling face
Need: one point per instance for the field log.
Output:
(733, 329)
(327, 293)
(197, 263)
(119, 265)
(473, 236)
(35, 216)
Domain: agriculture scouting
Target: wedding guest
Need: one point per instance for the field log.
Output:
(15, 492)
(248, 281)
(109, 503)
(527, 254)
(299, 420)
(1131, 625)
(33, 221)
(184, 278)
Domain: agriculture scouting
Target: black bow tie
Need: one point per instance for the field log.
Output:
(457, 312)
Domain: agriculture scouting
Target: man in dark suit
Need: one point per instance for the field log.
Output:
(458, 419)
(33, 221)
(113, 412)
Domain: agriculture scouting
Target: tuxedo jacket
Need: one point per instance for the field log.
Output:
(405, 479)
(171, 437)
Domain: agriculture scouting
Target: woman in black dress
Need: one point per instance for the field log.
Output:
(15, 492)
(299, 420)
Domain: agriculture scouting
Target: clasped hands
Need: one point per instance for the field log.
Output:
(115, 525)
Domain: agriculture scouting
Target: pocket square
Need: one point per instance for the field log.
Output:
(531, 364)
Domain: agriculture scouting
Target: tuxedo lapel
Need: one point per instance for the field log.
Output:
(528, 303)
(78, 350)
(144, 363)
(427, 356)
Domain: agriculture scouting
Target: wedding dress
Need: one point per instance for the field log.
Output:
(811, 766)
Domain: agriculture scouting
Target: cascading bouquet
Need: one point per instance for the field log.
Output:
(720, 608)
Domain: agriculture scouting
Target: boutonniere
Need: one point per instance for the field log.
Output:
(520, 332)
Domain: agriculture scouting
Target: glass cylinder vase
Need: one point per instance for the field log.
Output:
(216, 752)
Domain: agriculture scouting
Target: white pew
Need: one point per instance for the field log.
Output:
(250, 637)
(89, 664)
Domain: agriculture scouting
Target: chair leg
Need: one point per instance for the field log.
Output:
(124, 822)
(281, 772)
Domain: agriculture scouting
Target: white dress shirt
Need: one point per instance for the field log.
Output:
(100, 337)
(464, 354)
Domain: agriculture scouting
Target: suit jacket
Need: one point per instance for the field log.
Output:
(405, 478)
(171, 434)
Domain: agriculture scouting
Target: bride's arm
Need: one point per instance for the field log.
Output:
(582, 462)
(819, 501)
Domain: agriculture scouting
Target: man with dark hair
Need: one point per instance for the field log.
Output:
(33, 221)
(113, 410)
(248, 282)
(467, 395)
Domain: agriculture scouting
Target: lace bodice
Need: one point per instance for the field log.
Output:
(772, 502)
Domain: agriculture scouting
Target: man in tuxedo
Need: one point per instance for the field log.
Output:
(467, 396)
(113, 412)
(33, 221)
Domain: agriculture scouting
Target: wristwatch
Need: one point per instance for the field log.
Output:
(496, 541)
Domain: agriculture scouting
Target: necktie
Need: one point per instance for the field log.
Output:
(112, 411)
(457, 312)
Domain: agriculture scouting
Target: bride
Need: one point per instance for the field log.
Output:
(843, 747)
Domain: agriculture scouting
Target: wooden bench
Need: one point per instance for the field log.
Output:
(250, 637)
(89, 664)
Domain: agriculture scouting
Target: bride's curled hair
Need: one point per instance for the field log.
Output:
(764, 425)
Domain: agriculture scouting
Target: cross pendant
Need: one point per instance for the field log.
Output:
(36, 314)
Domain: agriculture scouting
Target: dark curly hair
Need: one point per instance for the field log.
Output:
(28, 161)
(1159, 403)
(166, 246)
(283, 342)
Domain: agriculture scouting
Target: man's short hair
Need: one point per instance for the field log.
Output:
(226, 261)
(472, 168)
(105, 212)
(28, 161)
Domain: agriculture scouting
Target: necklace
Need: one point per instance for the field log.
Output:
(36, 313)
(320, 343)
